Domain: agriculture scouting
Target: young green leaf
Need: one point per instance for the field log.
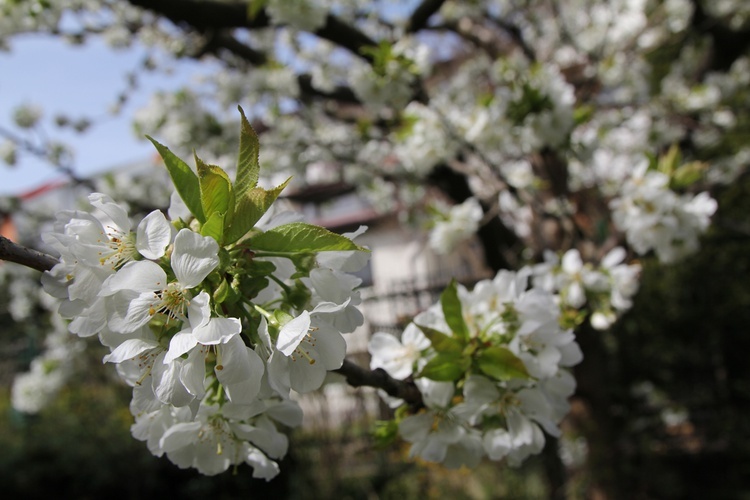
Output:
(446, 367)
(216, 191)
(452, 311)
(501, 364)
(442, 342)
(251, 205)
(248, 166)
(300, 237)
(184, 179)
(214, 227)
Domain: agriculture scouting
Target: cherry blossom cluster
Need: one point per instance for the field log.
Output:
(213, 324)
(492, 365)
(605, 291)
(459, 223)
(654, 217)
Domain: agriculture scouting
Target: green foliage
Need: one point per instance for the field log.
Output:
(300, 237)
(441, 342)
(184, 179)
(248, 164)
(446, 367)
(501, 364)
(251, 205)
(452, 311)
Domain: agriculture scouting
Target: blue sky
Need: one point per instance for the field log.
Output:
(77, 81)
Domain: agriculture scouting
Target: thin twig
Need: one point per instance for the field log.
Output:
(358, 377)
(13, 252)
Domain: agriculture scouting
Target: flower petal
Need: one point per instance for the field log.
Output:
(153, 235)
(140, 276)
(292, 333)
(194, 257)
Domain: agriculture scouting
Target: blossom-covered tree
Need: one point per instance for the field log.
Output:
(572, 138)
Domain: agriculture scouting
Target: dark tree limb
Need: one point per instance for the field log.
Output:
(422, 14)
(355, 376)
(225, 41)
(207, 15)
(13, 252)
(379, 379)
(500, 244)
(340, 93)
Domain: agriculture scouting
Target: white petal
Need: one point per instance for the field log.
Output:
(330, 346)
(153, 235)
(571, 261)
(416, 427)
(305, 377)
(292, 333)
(287, 412)
(240, 371)
(614, 257)
(193, 373)
(436, 394)
(166, 383)
(140, 276)
(129, 350)
(115, 212)
(136, 313)
(180, 344)
(180, 435)
(480, 390)
(217, 331)
(194, 257)
(263, 467)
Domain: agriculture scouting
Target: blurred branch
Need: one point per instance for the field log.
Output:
(358, 377)
(225, 41)
(422, 14)
(206, 16)
(42, 152)
(13, 252)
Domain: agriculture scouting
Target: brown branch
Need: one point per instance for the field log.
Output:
(207, 15)
(225, 41)
(358, 377)
(13, 252)
(422, 14)
(355, 376)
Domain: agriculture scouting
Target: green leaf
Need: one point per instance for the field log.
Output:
(184, 179)
(248, 165)
(225, 293)
(214, 227)
(303, 263)
(442, 342)
(668, 161)
(385, 432)
(282, 317)
(300, 237)
(501, 364)
(216, 191)
(251, 206)
(688, 174)
(452, 311)
(446, 367)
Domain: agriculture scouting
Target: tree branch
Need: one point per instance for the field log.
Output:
(225, 41)
(12, 252)
(206, 15)
(358, 377)
(422, 14)
(355, 376)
